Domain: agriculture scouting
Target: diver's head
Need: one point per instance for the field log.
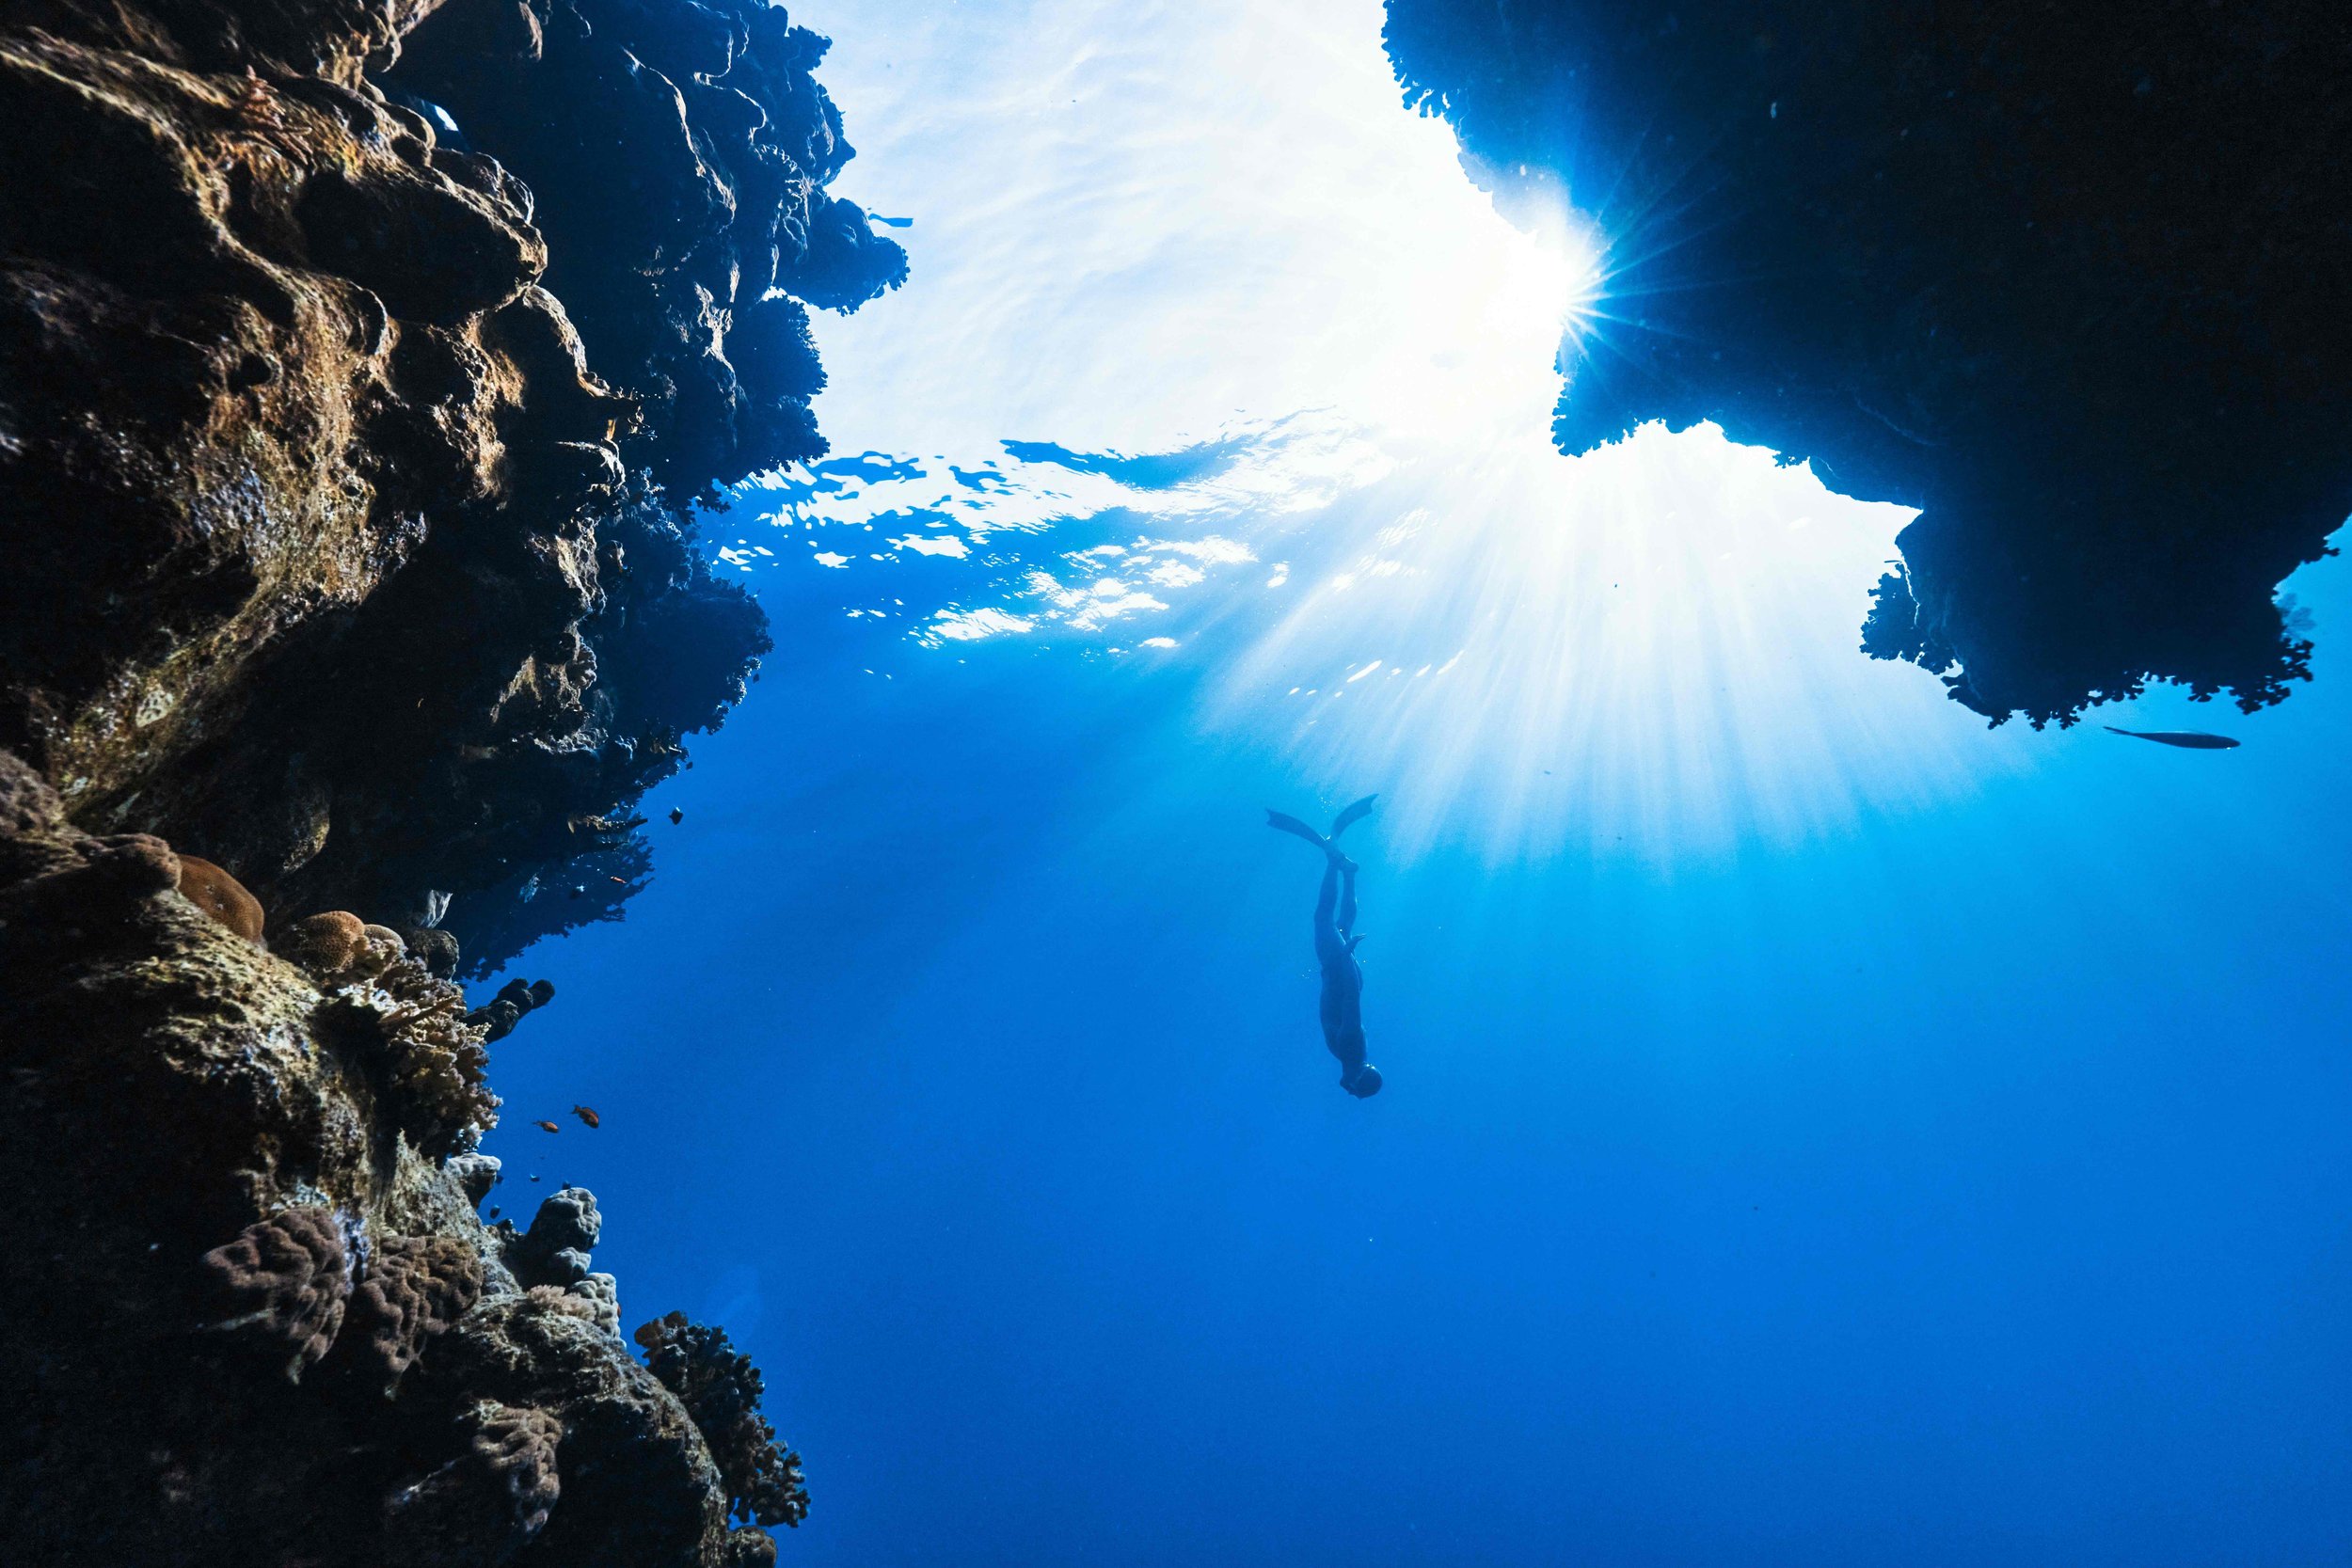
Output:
(1363, 1082)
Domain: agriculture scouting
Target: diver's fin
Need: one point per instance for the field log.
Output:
(1352, 815)
(1284, 822)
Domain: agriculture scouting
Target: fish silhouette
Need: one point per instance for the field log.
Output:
(588, 1116)
(546, 1127)
(2195, 740)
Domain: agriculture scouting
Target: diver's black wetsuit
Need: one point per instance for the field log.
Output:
(1343, 977)
(1335, 947)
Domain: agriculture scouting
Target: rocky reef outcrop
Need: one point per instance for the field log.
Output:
(360, 365)
(252, 1320)
(2068, 279)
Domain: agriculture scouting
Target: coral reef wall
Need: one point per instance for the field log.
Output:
(362, 365)
(250, 1320)
(2069, 278)
(359, 367)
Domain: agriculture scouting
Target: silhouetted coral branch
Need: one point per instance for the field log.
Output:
(721, 1389)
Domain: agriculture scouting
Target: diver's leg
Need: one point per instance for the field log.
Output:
(1328, 945)
(1347, 897)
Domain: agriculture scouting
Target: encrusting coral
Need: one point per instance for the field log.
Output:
(283, 1285)
(487, 1503)
(414, 1289)
(721, 1389)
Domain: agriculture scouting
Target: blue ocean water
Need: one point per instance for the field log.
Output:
(1818, 1129)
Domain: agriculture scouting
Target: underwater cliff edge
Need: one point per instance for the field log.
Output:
(361, 368)
(2068, 279)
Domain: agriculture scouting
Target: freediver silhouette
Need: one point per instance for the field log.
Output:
(1335, 947)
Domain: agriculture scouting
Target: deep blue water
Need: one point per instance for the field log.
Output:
(1818, 1130)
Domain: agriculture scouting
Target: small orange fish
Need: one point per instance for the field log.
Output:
(588, 1116)
(546, 1126)
(623, 880)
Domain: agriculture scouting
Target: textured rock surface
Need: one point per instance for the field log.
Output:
(327, 550)
(2069, 278)
(218, 1199)
(360, 362)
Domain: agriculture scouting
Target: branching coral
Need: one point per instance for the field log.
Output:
(721, 1390)
(416, 1287)
(283, 1285)
(435, 1065)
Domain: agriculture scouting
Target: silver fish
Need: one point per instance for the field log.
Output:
(2195, 740)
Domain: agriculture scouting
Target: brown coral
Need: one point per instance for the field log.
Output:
(283, 1285)
(486, 1504)
(220, 895)
(327, 944)
(414, 1289)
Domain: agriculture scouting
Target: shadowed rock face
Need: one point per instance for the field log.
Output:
(2070, 279)
(250, 1322)
(346, 438)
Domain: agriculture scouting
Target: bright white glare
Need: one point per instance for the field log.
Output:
(1134, 222)
(1647, 653)
(1141, 228)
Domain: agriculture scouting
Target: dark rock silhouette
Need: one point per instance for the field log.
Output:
(361, 365)
(2067, 278)
(348, 440)
(721, 1390)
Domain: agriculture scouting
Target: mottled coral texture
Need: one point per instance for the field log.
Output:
(415, 1287)
(268, 1326)
(283, 1284)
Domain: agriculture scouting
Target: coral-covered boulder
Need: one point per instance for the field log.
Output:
(656, 1498)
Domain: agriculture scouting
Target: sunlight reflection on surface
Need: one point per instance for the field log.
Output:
(1271, 397)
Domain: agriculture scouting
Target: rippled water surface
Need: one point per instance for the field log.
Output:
(1819, 1129)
